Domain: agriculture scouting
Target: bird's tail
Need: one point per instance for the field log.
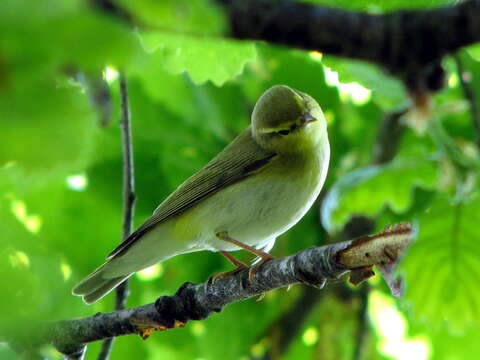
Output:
(97, 285)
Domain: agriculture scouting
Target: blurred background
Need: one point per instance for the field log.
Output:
(191, 93)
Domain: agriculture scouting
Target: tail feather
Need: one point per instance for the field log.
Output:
(97, 285)
(104, 289)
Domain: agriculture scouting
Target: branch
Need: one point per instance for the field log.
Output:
(408, 43)
(128, 198)
(389, 136)
(313, 266)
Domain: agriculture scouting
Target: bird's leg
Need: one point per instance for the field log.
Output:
(266, 257)
(239, 266)
(262, 254)
(231, 258)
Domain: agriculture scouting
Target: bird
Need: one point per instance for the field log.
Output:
(255, 189)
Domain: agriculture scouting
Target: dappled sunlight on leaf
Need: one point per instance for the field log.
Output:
(310, 336)
(150, 273)
(391, 327)
(77, 182)
(31, 222)
(370, 189)
(354, 91)
(217, 60)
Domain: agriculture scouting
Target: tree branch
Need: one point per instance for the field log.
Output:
(408, 43)
(313, 266)
(128, 198)
(388, 138)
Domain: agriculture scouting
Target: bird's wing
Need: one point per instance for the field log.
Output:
(240, 159)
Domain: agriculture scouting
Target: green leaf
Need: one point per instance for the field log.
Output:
(187, 16)
(474, 51)
(41, 35)
(443, 266)
(368, 190)
(204, 58)
(449, 345)
(52, 130)
(387, 91)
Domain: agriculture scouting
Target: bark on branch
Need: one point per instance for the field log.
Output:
(313, 266)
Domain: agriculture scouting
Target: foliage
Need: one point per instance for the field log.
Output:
(191, 92)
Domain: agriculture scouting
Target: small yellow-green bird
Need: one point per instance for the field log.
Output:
(257, 188)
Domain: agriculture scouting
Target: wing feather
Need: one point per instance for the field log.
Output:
(240, 159)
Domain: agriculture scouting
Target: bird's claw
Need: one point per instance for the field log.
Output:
(254, 269)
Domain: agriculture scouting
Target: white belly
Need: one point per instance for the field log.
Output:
(251, 211)
(255, 212)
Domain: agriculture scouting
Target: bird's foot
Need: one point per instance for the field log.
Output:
(254, 269)
(265, 257)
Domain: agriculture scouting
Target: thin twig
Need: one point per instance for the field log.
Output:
(469, 93)
(128, 198)
(389, 136)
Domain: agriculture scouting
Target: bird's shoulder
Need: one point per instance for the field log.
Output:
(240, 159)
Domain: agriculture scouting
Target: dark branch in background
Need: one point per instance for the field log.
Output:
(362, 323)
(408, 43)
(128, 198)
(282, 332)
(111, 7)
(388, 137)
(469, 92)
(314, 266)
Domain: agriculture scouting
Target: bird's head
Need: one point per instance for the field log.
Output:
(285, 120)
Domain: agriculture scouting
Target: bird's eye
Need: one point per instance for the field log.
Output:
(284, 132)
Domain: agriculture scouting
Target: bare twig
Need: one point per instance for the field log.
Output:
(469, 94)
(313, 266)
(128, 199)
(388, 137)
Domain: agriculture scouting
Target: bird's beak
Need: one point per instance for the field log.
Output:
(307, 118)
